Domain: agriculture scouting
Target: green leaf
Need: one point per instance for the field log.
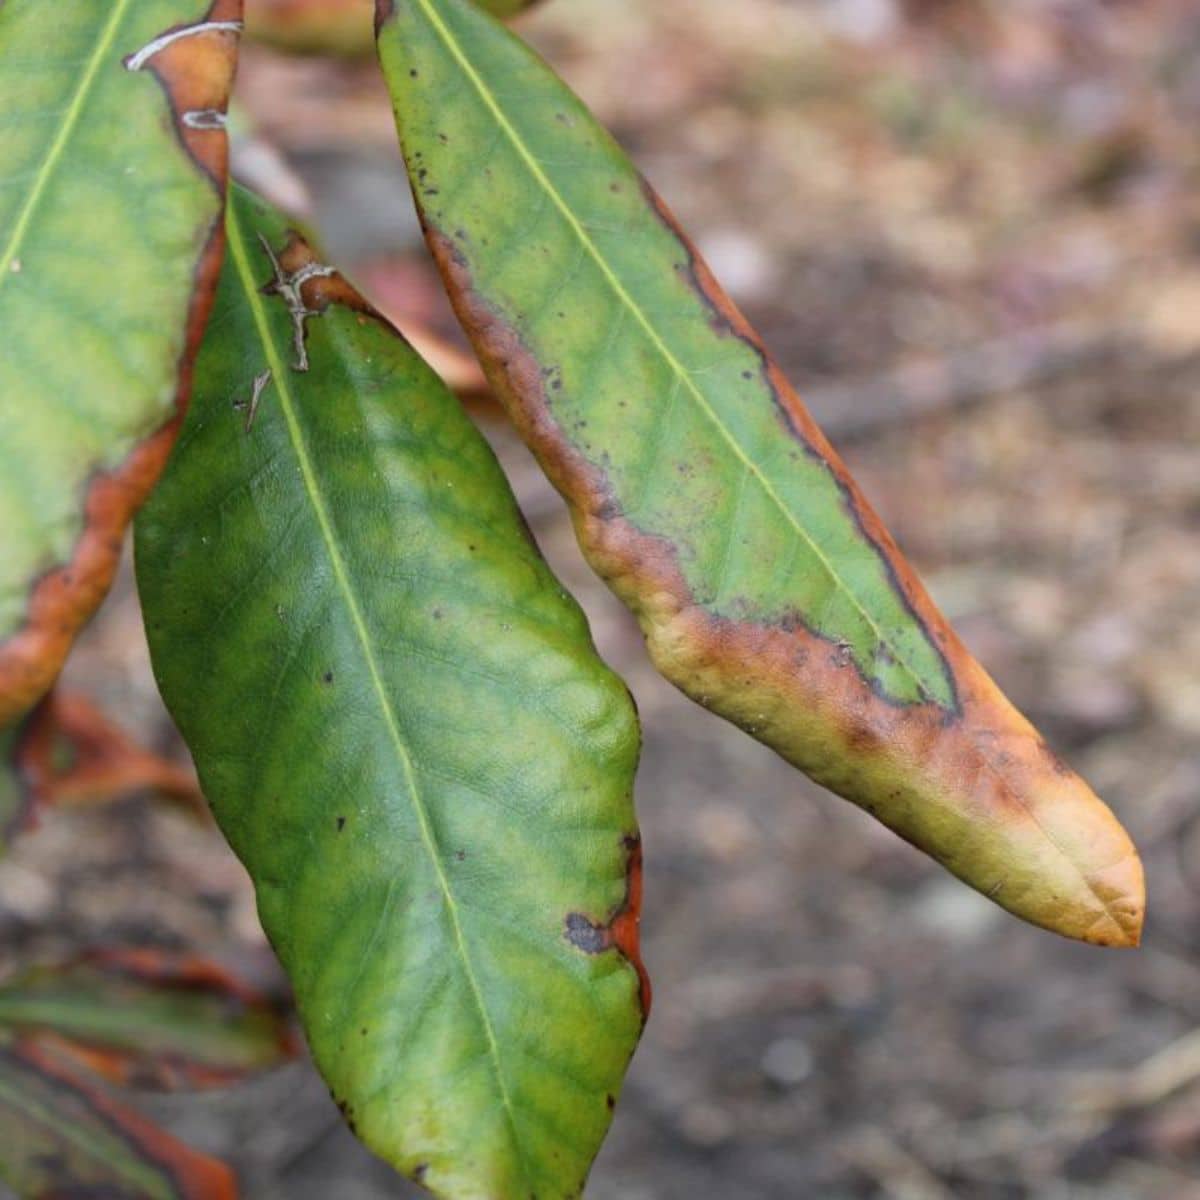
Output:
(61, 1138)
(150, 1019)
(111, 162)
(703, 492)
(404, 730)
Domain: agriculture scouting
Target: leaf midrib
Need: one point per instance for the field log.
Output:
(280, 370)
(65, 130)
(618, 288)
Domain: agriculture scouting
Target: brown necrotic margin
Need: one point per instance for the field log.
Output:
(622, 930)
(317, 287)
(196, 74)
(727, 320)
(975, 787)
(192, 1175)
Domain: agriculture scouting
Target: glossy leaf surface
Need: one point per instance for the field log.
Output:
(149, 1019)
(404, 730)
(61, 1137)
(111, 167)
(701, 489)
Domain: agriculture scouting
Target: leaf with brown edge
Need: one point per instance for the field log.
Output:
(61, 1137)
(404, 730)
(70, 753)
(112, 169)
(150, 1019)
(703, 492)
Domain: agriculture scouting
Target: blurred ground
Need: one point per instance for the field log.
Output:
(971, 231)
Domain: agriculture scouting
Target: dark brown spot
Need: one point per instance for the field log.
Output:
(583, 935)
(383, 12)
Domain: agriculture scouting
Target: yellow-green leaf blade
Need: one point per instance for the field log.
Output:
(703, 492)
(404, 731)
(112, 156)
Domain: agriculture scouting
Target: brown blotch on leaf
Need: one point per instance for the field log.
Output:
(1027, 822)
(622, 930)
(383, 13)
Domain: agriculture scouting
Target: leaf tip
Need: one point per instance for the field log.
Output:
(1122, 890)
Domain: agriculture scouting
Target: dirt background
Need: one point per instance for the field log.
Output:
(971, 232)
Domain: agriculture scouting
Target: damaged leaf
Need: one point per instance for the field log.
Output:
(61, 1137)
(111, 175)
(404, 730)
(703, 492)
(70, 753)
(149, 1019)
(341, 27)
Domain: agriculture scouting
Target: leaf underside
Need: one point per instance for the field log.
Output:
(61, 1137)
(701, 490)
(111, 173)
(404, 731)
